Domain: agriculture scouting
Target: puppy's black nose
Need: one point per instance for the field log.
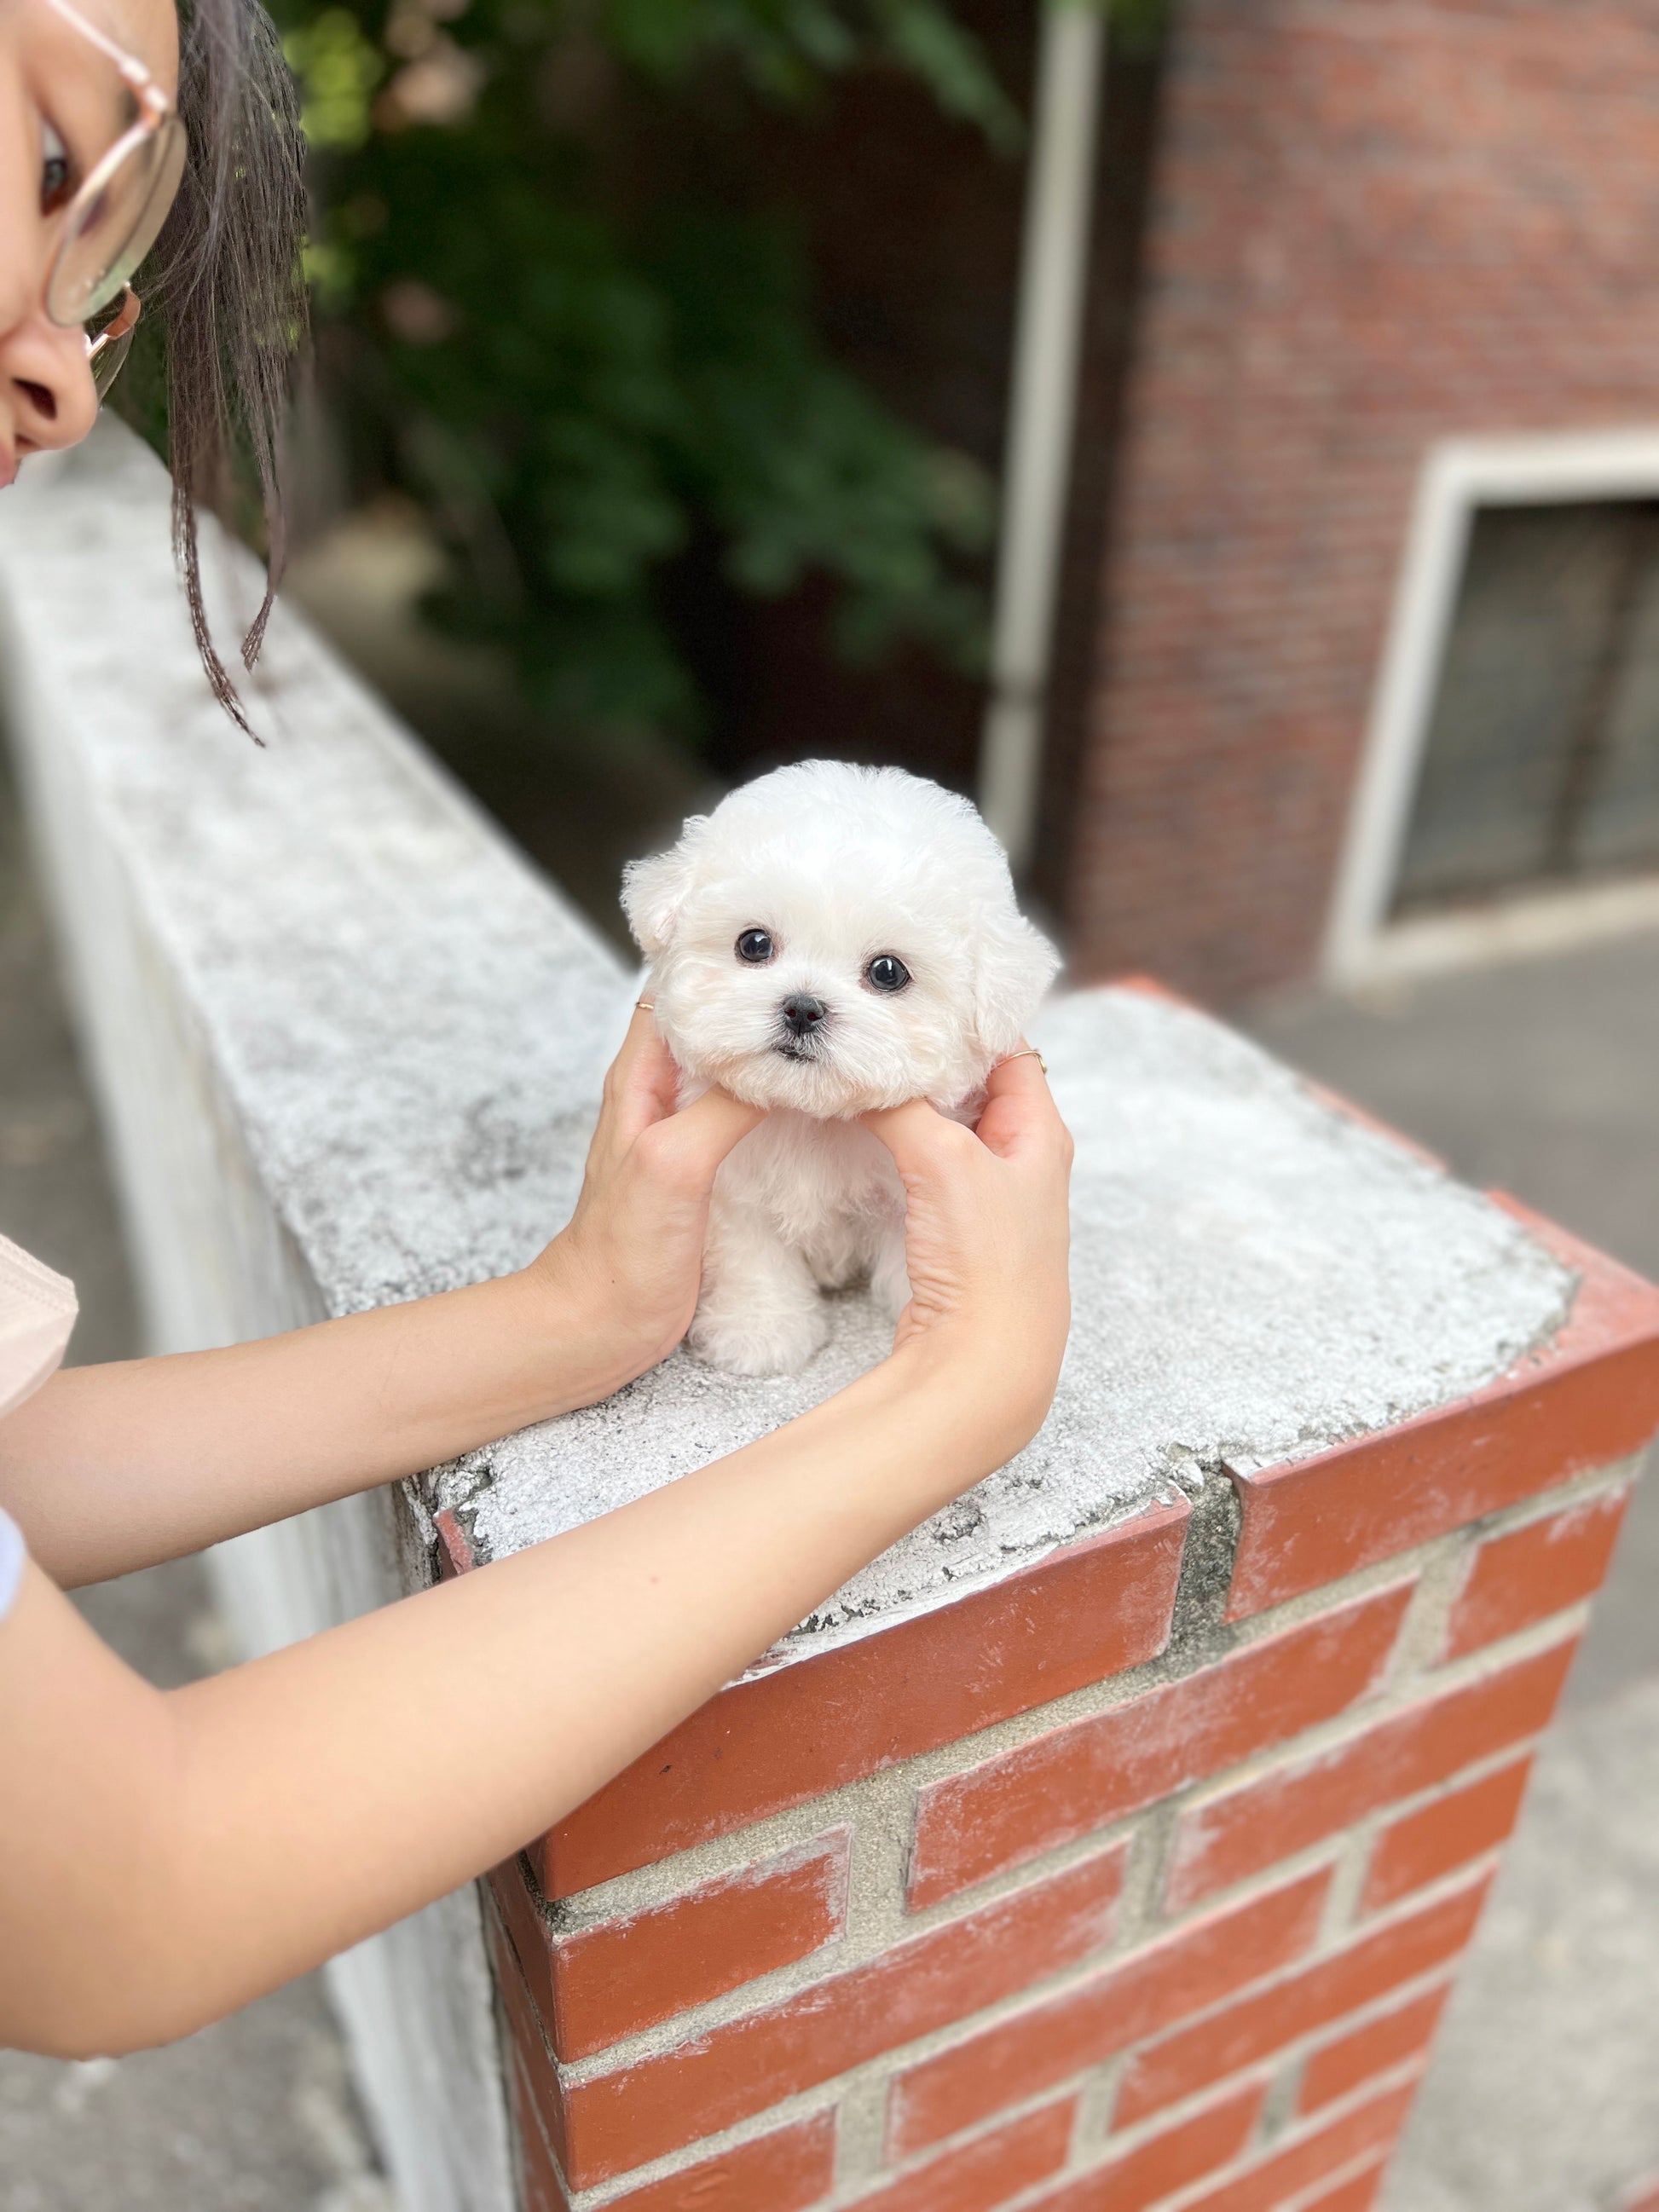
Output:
(802, 1015)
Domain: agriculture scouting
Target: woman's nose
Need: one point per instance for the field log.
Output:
(45, 384)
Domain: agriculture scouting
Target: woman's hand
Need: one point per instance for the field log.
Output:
(135, 1824)
(624, 1273)
(113, 1467)
(987, 1230)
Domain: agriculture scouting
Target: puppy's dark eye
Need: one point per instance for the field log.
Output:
(756, 947)
(887, 972)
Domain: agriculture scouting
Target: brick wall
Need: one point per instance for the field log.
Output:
(1136, 1880)
(1374, 223)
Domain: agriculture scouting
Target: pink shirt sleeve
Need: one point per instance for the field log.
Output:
(37, 1312)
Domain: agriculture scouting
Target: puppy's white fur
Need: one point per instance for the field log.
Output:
(838, 865)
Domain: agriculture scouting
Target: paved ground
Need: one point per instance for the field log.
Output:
(1544, 2096)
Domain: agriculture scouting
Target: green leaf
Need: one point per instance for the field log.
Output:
(578, 385)
(338, 69)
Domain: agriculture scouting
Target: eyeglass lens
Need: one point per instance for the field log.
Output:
(114, 227)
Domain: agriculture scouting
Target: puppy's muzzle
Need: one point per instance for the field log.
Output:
(803, 1020)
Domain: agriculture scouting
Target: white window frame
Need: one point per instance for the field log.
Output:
(1362, 944)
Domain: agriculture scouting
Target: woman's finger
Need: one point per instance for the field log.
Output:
(917, 1134)
(1019, 1106)
(640, 1030)
(644, 1081)
(699, 1137)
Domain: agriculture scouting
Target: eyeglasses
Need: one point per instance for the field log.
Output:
(106, 351)
(116, 215)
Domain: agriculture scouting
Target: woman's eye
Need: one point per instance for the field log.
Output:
(756, 947)
(887, 972)
(56, 171)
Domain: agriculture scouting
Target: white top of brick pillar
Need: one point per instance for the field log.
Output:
(411, 1026)
(1256, 1276)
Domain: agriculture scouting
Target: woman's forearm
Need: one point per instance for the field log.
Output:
(306, 1781)
(168, 1856)
(111, 1468)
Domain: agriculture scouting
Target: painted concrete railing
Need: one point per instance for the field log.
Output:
(1110, 1843)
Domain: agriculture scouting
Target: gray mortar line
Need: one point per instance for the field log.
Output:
(667, 1878)
(1133, 1932)
(1096, 2097)
(1350, 1863)
(885, 2065)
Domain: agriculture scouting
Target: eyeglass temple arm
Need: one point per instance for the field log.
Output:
(120, 326)
(131, 68)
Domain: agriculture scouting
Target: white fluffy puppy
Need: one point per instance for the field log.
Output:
(829, 939)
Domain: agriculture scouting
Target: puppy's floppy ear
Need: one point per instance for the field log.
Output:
(654, 889)
(1014, 964)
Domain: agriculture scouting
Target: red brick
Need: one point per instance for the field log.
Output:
(1171, 2160)
(1223, 1840)
(1339, 1104)
(781, 2173)
(455, 1555)
(1080, 1777)
(1359, 2193)
(523, 2025)
(1265, 2020)
(539, 2177)
(1592, 1397)
(1272, 2182)
(527, 1932)
(1135, 1997)
(639, 2111)
(1524, 1576)
(1382, 2044)
(612, 1980)
(524, 2035)
(988, 2172)
(1153, 986)
(787, 1734)
(1454, 1829)
(1326, 297)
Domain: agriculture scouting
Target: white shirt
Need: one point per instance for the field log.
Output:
(37, 1312)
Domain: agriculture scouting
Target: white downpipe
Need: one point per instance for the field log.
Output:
(1070, 53)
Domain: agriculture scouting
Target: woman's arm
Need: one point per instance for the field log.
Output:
(113, 1468)
(169, 1855)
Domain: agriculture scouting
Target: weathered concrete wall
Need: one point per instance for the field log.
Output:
(276, 958)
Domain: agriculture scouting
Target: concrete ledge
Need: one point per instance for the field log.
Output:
(1258, 1276)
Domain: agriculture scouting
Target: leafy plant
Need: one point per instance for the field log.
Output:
(585, 363)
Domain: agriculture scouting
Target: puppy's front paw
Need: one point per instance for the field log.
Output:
(760, 1342)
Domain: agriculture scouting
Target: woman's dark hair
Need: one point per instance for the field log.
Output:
(227, 282)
